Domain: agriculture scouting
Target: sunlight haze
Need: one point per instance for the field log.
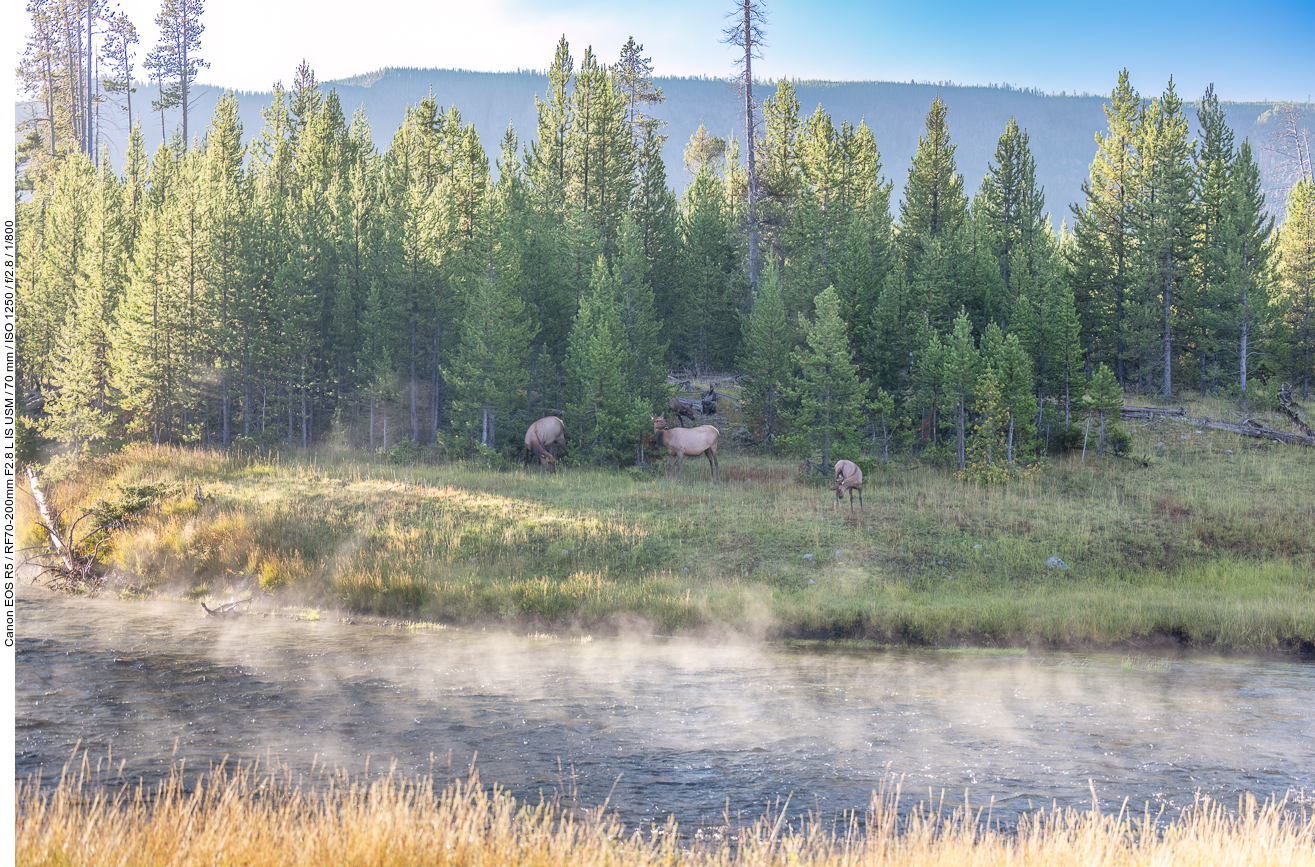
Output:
(1254, 52)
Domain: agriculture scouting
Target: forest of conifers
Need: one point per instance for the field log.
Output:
(310, 286)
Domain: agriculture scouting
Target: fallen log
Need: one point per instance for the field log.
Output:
(77, 569)
(1246, 430)
(1288, 407)
(228, 609)
(51, 521)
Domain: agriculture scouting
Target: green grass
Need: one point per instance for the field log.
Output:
(1204, 540)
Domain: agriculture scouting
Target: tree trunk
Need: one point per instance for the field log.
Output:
(1168, 342)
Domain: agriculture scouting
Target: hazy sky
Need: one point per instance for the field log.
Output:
(1261, 50)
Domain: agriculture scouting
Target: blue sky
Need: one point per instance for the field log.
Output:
(1252, 51)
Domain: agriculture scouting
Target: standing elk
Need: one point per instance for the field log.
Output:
(681, 409)
(681, 441)
(848, 478)
(542, 436)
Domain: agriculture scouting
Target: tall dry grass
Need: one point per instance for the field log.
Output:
(254, 817)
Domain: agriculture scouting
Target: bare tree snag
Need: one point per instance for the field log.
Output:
(76, 568)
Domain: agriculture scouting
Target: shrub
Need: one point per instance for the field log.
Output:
(405, 452)
(1118, 440)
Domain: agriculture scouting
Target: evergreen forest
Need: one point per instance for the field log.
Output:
(300, 285)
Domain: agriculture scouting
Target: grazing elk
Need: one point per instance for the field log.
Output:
(681, 409)
(542, 436)
(849, 478)
(681, 441)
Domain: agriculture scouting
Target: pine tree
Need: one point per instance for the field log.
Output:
(547, 158)
(1244, 287)
(1213, 159)
(1011, 208)
(657, 221)
(888, 343)
(822, 165)
(83, 407)
(118, 48)
(1166, 215)
(1297, 246)
(768, 339)
(826, 396)
(151, 367)
(1015, 377)
(224, 266)
(1103, 257)
(602, 151)
(174, 61)
(707, 319)
(414, 165)
(55, 267)
(488, 372)
(1103, 397)
(779, 176)
(634, 79)
(961, 367)
(641, 329)
(934, 205)
(604, 416)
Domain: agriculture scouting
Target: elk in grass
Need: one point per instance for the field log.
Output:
(542, 436)
(682, 441)
(848, 478)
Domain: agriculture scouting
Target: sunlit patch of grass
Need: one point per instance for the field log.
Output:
(257, 817)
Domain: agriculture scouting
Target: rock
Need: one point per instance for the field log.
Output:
(1056, 563)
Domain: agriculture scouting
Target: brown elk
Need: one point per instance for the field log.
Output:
(542, 436)
(681, 409)
(849, 478)
(681, 441)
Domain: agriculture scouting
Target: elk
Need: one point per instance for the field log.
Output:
(682, 441)
(681, 409)
(542, 435)
(848, 478)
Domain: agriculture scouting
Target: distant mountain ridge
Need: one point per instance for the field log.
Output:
(1061, 128)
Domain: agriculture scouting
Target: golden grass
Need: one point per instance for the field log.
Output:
(254, 817)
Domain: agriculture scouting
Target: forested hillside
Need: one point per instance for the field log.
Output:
(1061, 128)
(310, 273)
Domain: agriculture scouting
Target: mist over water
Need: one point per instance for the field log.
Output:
(653, 728)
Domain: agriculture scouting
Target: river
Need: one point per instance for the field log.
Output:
(654, 727)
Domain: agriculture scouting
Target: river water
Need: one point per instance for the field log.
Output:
(655, 727)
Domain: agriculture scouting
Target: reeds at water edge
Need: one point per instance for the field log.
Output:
(258, 816)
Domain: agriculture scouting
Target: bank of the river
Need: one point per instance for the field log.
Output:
(1205, 541)
(259, 818)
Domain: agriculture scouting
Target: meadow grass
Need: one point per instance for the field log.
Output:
(1200, 539)
(255, 817)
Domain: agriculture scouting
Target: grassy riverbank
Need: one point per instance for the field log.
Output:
(256, 818)
(1211, 545)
